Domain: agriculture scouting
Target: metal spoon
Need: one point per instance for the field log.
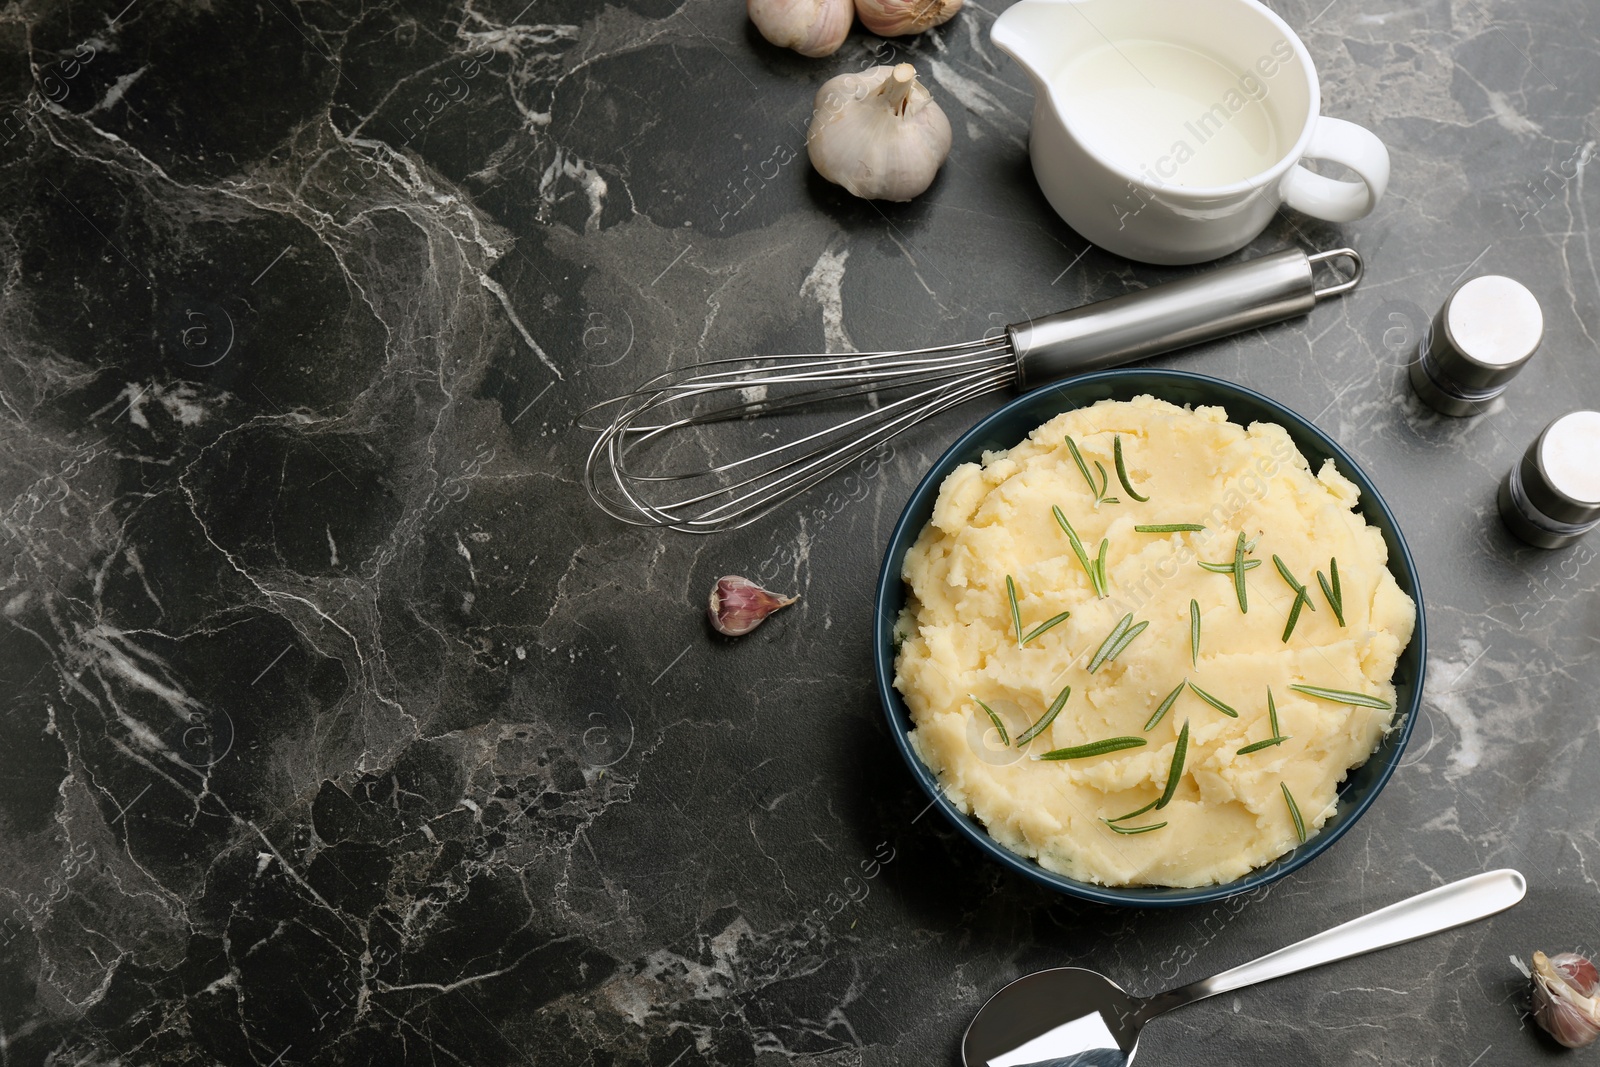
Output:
(1072, 1017)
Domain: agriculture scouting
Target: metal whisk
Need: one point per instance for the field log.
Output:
(636, 471)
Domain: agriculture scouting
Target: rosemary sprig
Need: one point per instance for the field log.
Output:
(1331, 590)
(1097, 576)
(1213, 701)
(1169, 527)
(1294, 583)
(1194, 632)
(1294, 617)
(1094, 748)
(1238, 574)
(1072, 539)
(1049, 717)
(1077, 457)
(1277, 737)
(1302, 599)
(1122, 470)
(1043, 627)
(1083, 468)
(1343, 696)
(1118, 639)
(1175, 772)
(998, 725)
(1127, 639)
(1100, 566)
(1237, 568)
(1166, 705)
(1134, 814)
(1105, 479)
(1294, 812)
(1016, 612)
(1227, 568)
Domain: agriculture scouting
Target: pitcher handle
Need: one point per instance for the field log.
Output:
(1355, 147)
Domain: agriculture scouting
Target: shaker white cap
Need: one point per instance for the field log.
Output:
(1569, 456)
(1495, 320)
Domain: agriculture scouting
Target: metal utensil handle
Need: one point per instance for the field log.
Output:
(1448, 906)
(1173, 315)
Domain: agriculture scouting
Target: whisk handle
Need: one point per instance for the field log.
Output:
(1173, 315)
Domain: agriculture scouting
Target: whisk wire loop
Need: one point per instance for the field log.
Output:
(626, 473)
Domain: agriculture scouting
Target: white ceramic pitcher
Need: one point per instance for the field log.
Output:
(1170, 131)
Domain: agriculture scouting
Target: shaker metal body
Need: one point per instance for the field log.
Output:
(1552, 496)
(1486, 331)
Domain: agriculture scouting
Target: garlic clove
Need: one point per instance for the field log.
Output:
(879, 133)
(739, 605)
(1563, 998)
(1578, 971)
(813, 28)
(893, 18)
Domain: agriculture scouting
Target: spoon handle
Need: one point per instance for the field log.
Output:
(1427, 913)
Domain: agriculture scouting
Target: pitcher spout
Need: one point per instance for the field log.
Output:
(1030, 32)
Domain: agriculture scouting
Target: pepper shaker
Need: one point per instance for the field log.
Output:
(1552, 496)
(1487, 329)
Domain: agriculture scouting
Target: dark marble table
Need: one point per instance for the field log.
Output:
(341, 728)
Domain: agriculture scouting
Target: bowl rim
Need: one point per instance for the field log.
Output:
(1401, 565)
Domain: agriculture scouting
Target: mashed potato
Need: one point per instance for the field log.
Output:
(1228, 812)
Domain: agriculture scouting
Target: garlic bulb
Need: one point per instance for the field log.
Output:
(892, 18)
(1564, 1000)
(878, 133)
(811, 27)
(739, 605)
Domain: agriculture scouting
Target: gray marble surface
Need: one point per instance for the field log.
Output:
(341, 728)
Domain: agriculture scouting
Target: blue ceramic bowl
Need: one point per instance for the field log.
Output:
(1009, 426)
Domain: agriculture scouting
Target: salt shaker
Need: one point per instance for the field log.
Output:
(1552, 496)
(1486, 330)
